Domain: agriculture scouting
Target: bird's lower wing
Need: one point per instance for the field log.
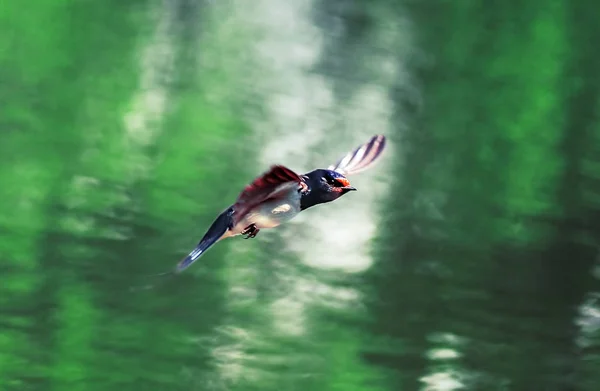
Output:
(269, 185)
(216, 231)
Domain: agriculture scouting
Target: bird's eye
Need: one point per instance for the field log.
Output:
(330, 181)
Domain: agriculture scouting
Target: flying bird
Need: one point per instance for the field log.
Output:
(280, 194)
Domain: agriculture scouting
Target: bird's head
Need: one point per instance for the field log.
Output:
(325, 186)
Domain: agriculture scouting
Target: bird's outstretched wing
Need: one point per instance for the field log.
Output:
(271, 184)
(361, 158)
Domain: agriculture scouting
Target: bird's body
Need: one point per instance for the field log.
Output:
(272, 213)
(280, 194)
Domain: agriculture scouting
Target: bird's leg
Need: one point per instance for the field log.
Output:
(250, 231)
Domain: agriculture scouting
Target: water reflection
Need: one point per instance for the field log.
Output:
(465, 260)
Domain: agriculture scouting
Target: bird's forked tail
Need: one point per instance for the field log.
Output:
(216, 231)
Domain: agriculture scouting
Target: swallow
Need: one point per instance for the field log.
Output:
(280, 194)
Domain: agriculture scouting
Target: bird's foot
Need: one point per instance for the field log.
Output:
(250, 231)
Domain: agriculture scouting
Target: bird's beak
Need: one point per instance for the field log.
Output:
(346, 185)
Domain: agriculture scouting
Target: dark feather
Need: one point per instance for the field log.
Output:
(214, 233)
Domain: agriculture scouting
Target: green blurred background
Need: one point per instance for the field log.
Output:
(468, 259)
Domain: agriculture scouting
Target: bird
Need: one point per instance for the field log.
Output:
(280, 194)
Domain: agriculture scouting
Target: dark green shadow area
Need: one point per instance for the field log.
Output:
(490, 236)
